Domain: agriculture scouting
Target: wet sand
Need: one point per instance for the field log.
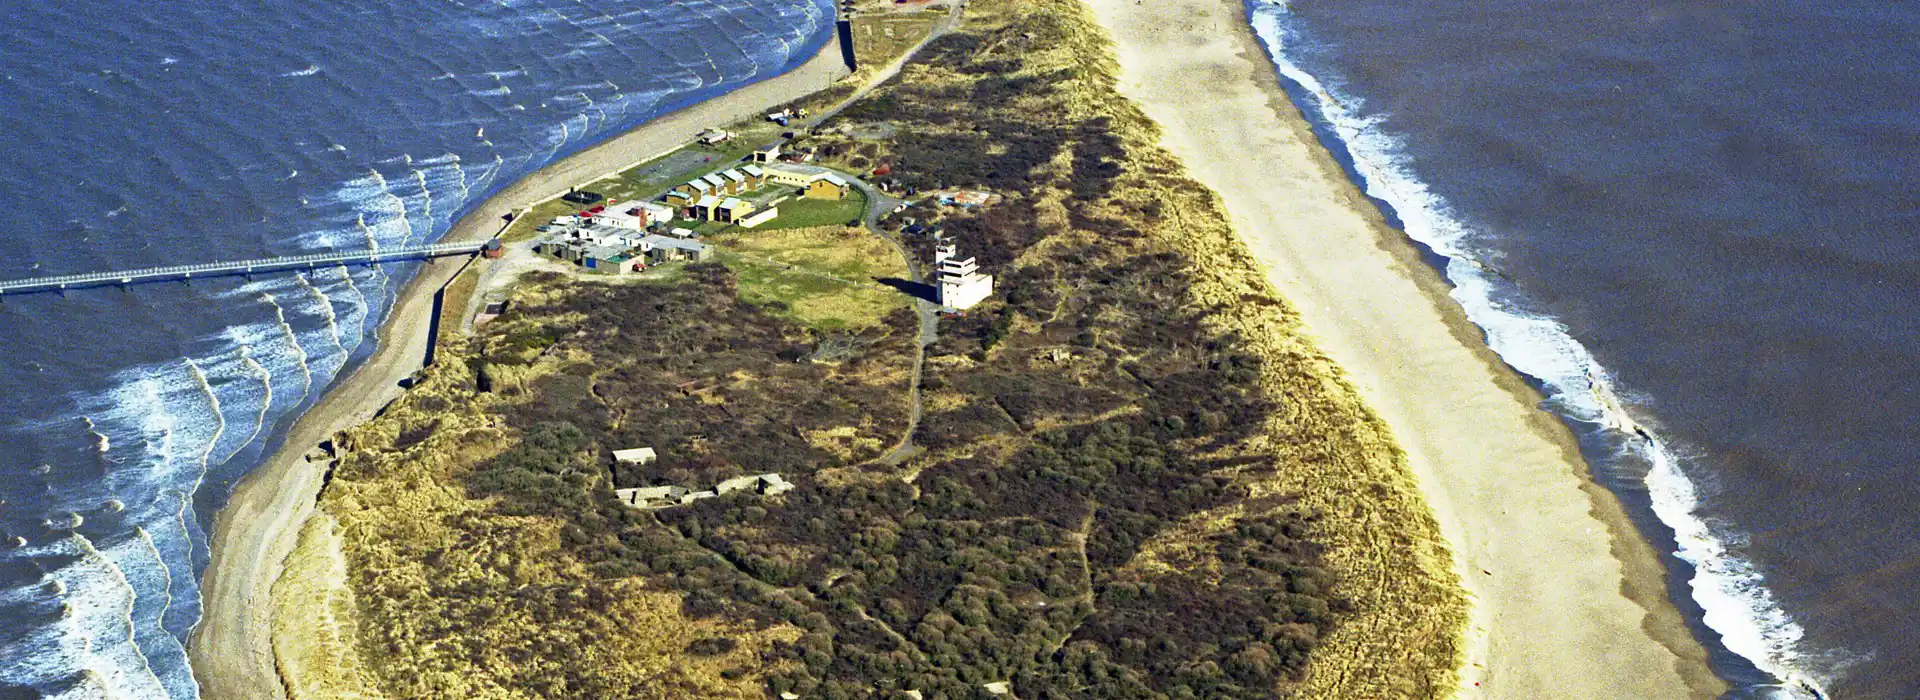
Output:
(1568, 601)
(231, 649)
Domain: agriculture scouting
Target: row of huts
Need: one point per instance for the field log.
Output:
(711, 197)
(719, 184)
(663, 496)
(616, 250)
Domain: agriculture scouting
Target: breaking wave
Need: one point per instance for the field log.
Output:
(110, 526)
(1737, 604)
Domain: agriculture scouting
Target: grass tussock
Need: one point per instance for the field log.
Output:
(485, 554)
(1024, 104)
(1136, 478)
(315, 630)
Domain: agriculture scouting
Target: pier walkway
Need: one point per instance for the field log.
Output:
(240, 267)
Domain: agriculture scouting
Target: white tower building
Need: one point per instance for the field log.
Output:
(961, 284)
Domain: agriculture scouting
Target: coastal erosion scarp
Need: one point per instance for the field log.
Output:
(1567, 600)
(232, 648)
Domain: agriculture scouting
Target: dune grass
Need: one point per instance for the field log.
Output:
(1139, 478)
(1023, 102)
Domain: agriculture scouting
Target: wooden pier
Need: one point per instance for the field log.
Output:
(240, 267)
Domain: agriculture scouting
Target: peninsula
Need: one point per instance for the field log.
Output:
(1042, 360)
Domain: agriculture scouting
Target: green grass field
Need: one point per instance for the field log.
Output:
(801, 212)
(826, 276)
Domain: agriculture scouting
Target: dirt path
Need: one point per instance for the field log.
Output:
(879, 204)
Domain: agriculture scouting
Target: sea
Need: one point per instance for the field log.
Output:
(136, 133)
(1695, 226)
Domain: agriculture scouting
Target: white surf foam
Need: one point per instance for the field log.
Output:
(94, 637)
(1737, 604)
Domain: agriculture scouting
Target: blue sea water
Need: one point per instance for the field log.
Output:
(1696, 225)
(135, 134)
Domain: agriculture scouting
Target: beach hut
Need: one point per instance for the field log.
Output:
(732, 209)
(703, 208)
(756, 176)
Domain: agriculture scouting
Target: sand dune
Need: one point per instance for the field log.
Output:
(231, 649)
(1568, 601)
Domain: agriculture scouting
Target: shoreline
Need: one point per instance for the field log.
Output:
(230, 648)
(1568, 598)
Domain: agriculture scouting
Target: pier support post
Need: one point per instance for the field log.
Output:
(433, 323)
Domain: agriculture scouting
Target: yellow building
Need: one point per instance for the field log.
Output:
(826, 186)
(732, 209)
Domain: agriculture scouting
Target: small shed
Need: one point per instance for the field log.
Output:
(637, 455)
(661, 249)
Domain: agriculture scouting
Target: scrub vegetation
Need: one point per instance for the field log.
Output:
(1137, 479)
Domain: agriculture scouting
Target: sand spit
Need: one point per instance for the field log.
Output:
(1568, 601)
(232, 648)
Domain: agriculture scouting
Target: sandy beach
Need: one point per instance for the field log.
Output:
(231, 648)
(1568, 601)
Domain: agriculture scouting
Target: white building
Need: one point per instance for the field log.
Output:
(781, 174)
(759, 217)
(620, 219)
(656, 212)
(637, 455)
(961, 284)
